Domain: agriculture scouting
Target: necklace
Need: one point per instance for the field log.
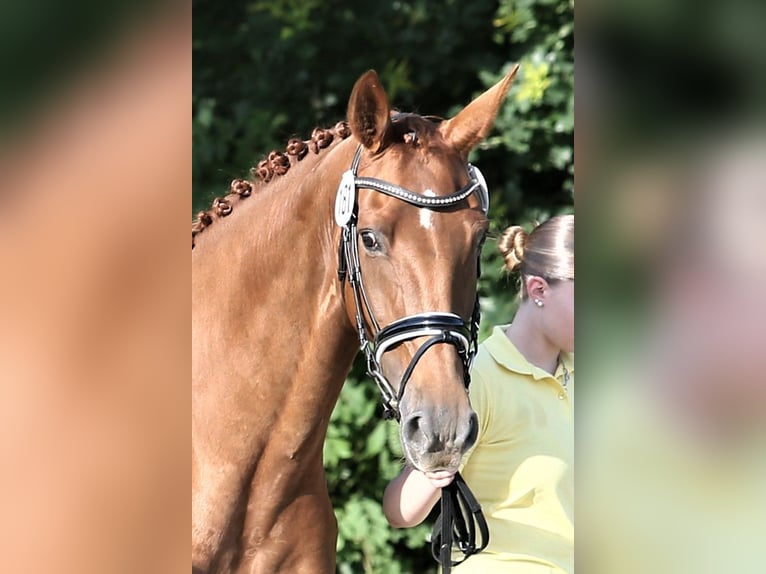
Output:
(565, 381)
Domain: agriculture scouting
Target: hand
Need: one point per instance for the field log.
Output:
(440, 478)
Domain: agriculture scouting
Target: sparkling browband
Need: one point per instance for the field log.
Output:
(421, 200)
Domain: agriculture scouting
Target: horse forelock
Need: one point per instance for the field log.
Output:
(275, 164)
(415, 129)
(419, 152)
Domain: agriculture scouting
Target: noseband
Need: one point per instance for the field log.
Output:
(439, 327)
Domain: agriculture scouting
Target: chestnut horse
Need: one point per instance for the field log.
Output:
(283, 297)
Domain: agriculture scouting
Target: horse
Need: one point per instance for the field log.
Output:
(376, 221)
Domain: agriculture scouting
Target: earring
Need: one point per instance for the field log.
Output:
(538, 303)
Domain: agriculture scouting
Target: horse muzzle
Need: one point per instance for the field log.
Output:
(434, 440)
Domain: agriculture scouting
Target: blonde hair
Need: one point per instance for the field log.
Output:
(547, 251)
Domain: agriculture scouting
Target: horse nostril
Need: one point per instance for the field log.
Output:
(411, 427)
(416, 431)
(469, 435)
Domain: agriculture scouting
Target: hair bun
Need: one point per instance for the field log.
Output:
(511, 245)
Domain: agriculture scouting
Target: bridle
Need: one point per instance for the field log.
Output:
(460, 514)
(439, 327)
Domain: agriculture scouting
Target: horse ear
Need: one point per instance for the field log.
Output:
(368, 112)
(472, 124)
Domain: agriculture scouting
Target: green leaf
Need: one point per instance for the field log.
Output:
(376, 440)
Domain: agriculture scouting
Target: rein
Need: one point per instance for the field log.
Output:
(460, 512)
(460, 515)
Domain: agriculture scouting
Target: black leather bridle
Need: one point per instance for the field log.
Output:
(440, 327)
(459, 507)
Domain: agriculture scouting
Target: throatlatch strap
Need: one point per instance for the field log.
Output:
(460, 515)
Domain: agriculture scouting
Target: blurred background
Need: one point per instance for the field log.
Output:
(671, 412)
(95, 179)
(268, 70)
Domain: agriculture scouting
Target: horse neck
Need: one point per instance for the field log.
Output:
(270, 272)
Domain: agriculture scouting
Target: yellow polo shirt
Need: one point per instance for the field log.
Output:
(662, 496)
(522, 467)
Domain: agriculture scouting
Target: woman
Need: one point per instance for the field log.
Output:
(521, 468)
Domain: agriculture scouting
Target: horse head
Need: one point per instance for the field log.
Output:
(412, 214)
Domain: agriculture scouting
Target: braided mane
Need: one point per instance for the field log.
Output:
(275, 164)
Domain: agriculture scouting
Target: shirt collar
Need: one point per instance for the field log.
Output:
(505, 353)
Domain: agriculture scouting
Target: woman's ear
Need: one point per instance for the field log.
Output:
(537, 288)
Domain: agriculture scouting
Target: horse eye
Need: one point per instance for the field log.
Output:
(370, 241)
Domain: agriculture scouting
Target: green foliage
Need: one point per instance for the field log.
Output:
(266, 70)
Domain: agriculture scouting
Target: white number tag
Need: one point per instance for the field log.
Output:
(345, 200)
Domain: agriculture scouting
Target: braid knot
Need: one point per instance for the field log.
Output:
(279, 162)
(320, 139)
(297, 148)
(241, 187)
(342, 130)
(263, 170)
(221, 206)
